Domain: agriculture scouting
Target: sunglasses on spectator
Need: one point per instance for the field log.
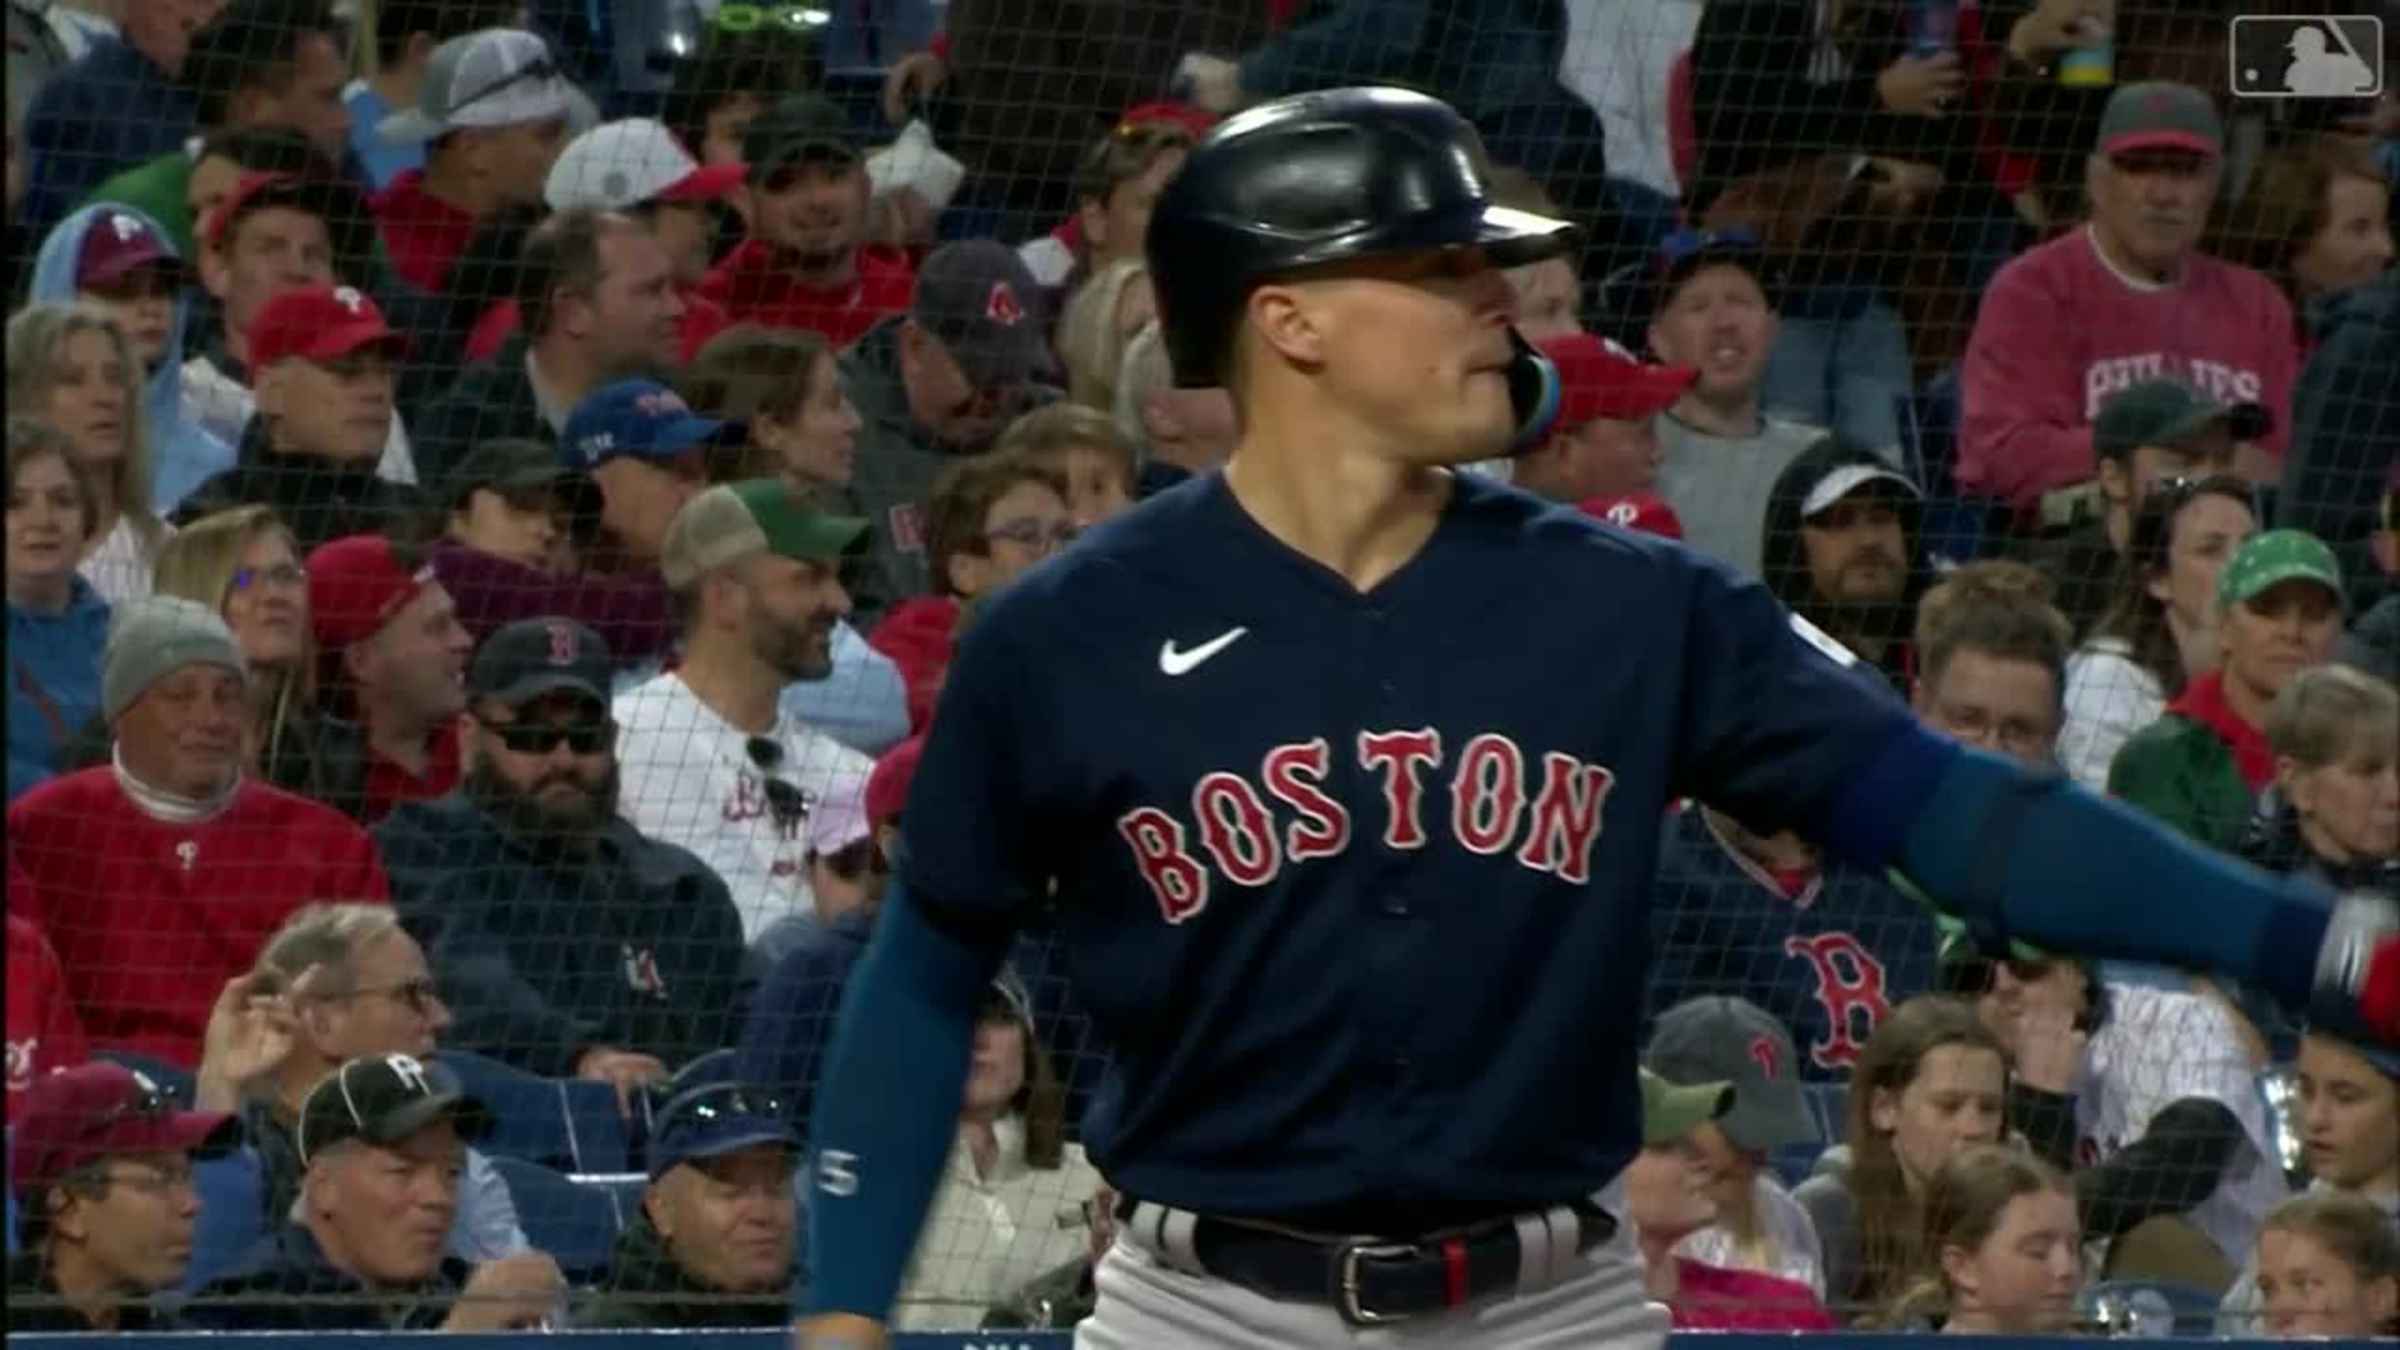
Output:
(532, 72)
(1033, 534)
(718, 1103)
(540, 738)
(281, 574)
(788, 802)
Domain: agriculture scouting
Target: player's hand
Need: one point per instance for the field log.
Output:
(839, 1331)
(621, 1069)
(250, 1033)
(911, 80)
(1921, 86)
(514, 1293)
(2057, 25)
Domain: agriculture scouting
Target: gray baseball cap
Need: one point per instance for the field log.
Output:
(496, 77)
(1713, 1039)
(976, 296)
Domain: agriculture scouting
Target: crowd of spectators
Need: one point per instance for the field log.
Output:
(487, 534)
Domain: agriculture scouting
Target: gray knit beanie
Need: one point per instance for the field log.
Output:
(153, 637)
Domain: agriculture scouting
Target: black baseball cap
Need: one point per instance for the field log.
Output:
(384, 1099)
(799, 128)
(533, 657)
(508, 464)
(1684, 253)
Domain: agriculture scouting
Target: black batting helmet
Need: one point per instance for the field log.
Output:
(1320, 178)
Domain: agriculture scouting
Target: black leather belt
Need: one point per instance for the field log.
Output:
(1373, 1281)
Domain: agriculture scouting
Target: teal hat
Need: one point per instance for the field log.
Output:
(2273, 557)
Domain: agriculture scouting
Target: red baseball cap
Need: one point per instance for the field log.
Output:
(1597, 378)
(328, 200)
(887, 786)
(1645, 511)
(355, 585)
(320, 323)
(1168, 112)
(116, 243)
(75, 1117)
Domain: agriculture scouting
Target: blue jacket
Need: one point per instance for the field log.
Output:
(59, 655)
(2346, 428)
(109, 111)
(182, 454)
(285, 1283)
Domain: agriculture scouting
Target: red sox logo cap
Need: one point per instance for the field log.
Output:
(1002, 306)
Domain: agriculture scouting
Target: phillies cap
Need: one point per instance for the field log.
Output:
(384, 1099)
(1644, 511)
(1597, 378)
(798, 129)
(119, 242)
(533, 657)
(355, 585)
(320, 323)
(1718, 1038)
(733, 521)
(2161, 115)
(976, 296)
(497, 77)
(68, 1120)
(641, 418)
(2272, 557)
(2165, 412)
(1845, 479)
(623, 164)
(330, 200)
(714, 1119)
(887, 786)
(1672, 1110)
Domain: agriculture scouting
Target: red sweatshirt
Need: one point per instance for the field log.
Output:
(1717, 1298)
(753, 287)
(151, 918)
(422, 234)
(43, 1034)
(920, 635)
(2059, 331)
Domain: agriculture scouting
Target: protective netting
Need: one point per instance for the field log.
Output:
(593, 436)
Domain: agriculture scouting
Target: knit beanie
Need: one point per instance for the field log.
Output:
(155, 636)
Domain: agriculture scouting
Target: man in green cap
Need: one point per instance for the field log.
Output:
(2201, 766)
(711, 760)
(2147, 433)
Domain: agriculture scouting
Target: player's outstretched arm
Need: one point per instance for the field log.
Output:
(887, 1111)
(2021, 855)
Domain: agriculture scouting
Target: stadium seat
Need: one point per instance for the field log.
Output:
(576, 1224)
(232, 1213)
(570, 1124)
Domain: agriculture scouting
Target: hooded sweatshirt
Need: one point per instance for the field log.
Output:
(1784, 561)
(53, 682)
(182, 453)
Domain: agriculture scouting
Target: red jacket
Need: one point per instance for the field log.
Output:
(753, 287)
(150, 919)
(1718, 1298)
(920, 636)
(43, 1034)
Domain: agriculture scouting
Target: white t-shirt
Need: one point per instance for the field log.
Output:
(688, 778)
(123, 567)
(2108, 699)
(1798, 1255)
(2158, 1047)
(988, 1237)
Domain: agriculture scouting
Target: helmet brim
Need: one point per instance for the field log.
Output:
(1513, 238)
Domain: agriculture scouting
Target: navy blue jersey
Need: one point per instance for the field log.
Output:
(1361, 881)
(1829, 963)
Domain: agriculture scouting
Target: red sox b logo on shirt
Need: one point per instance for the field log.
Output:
(1495, 802)
(1850, 987)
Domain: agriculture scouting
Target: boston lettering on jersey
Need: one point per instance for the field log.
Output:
(1496, 806)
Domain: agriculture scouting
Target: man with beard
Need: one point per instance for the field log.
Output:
(933, 384)
(1840, 539)
(563, 940)
(712, 758)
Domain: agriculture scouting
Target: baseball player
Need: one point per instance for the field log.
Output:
(1348, 771)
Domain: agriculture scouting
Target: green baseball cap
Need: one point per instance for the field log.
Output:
(1672, 1110)
(2161, 115)
(2167, 412)
(2276, 556)
(733, 521)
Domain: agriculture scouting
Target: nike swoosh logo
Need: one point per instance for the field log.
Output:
(1174, 662)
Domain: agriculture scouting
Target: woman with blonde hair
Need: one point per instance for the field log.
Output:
(71, 366)
(2002, 1248)
(2334, 808)
(1098, 323)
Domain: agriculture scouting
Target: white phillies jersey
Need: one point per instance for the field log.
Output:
(2160, 1046)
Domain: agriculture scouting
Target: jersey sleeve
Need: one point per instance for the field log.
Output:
(979, 835)
(1777, 715)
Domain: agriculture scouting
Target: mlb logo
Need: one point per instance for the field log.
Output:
(2306, 56)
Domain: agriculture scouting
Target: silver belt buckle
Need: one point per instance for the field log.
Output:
(1345, 1265)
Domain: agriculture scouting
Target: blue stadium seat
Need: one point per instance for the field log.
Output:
(232, 1213)
(576, 1224)
(570, 1124)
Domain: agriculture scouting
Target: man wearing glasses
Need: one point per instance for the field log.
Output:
(713, 1242)
(565, 941)
(103, 1173)
(710, 758)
